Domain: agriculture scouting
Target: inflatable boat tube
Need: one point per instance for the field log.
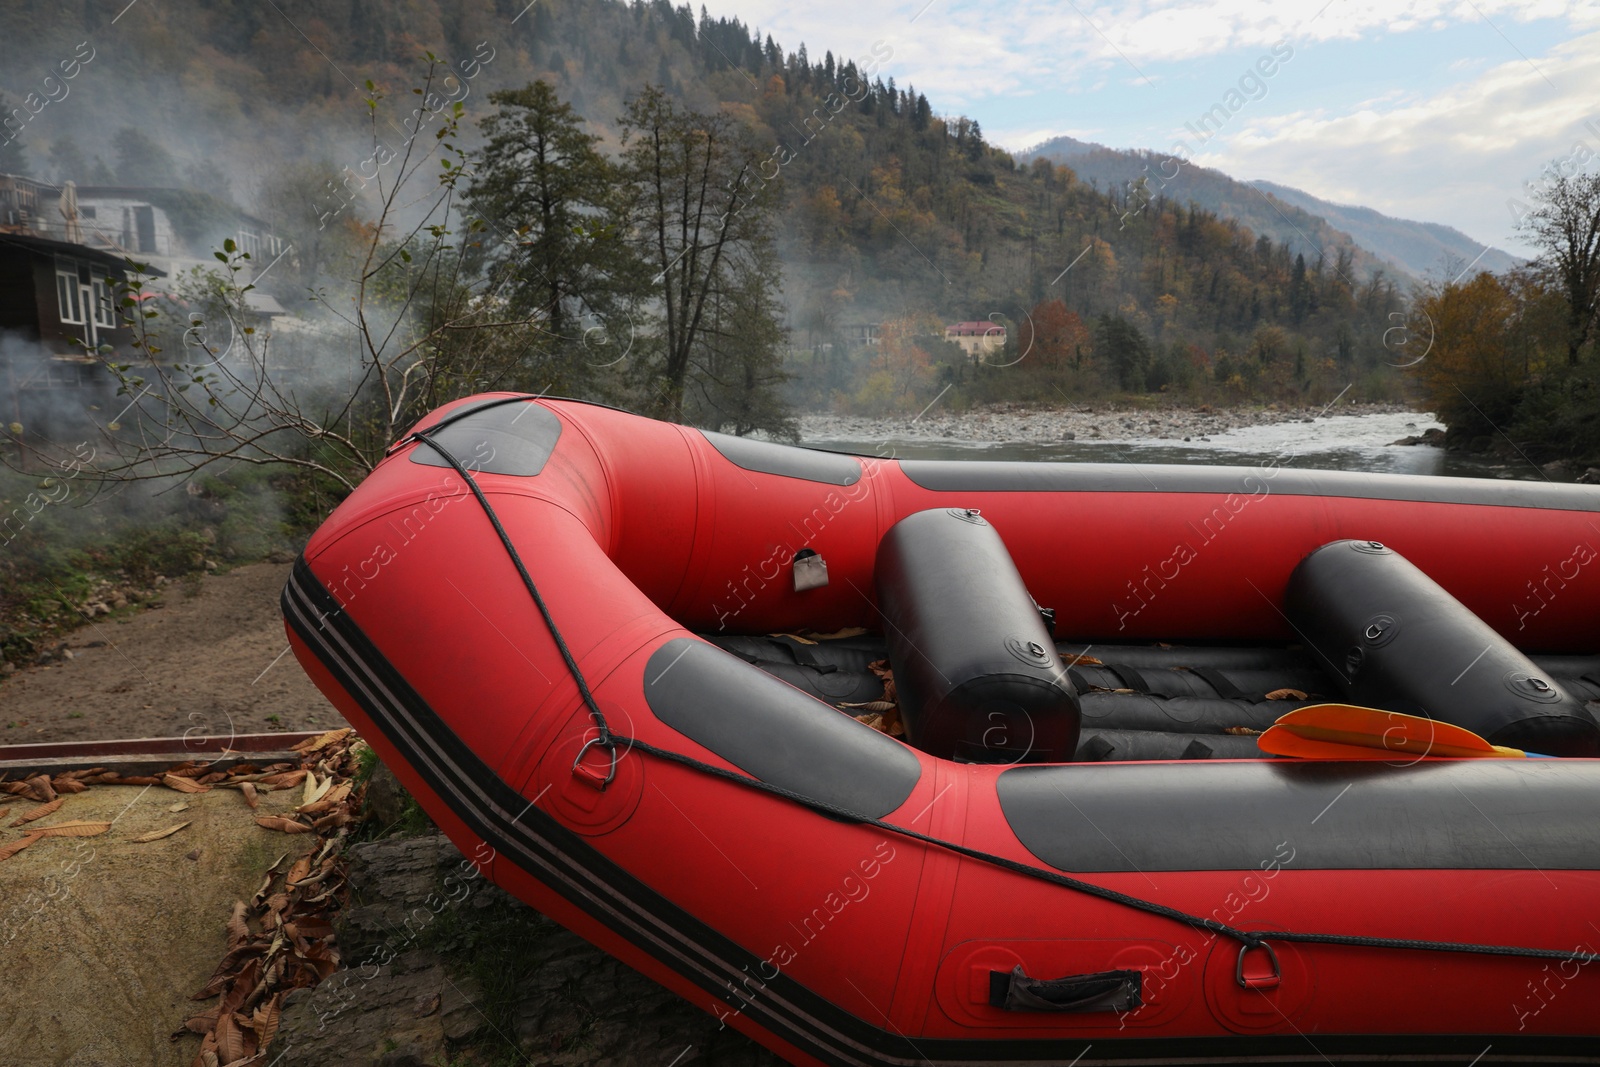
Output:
(507, 610)
(1395, 639)
(976, 670)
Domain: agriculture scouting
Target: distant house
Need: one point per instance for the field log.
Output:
(860, 334)
(173, 230)
(57, 295)
(977, 339)
(62, 248)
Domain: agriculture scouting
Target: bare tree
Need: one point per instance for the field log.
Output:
(1565, 224)
(407, 333)
(703, 224)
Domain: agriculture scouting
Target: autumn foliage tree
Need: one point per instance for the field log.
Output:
(1054, 338)
(1481, 354)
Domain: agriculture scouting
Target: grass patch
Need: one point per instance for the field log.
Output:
(68, 552)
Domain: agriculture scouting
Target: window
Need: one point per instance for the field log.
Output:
(144, 220)
(67, 291)
(105, 313)
(86, 212)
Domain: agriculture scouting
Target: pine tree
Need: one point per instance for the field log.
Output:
(553, 222)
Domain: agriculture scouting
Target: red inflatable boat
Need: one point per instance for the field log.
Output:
(595, 648)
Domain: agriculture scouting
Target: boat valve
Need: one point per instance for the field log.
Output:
(810, 570)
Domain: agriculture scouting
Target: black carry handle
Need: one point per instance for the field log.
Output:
(1105, 991)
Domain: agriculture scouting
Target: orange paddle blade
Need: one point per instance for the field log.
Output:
(1337, 731)
(1283, 741)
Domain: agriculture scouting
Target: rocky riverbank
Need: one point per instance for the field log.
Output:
(1017, 423)
(468, 975)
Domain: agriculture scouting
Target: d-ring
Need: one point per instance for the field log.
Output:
(582, 769)
(1266, 981)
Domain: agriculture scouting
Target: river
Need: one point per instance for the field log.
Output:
(1334, 442)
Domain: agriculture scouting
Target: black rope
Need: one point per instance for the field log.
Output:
(455, 417)
(610, 741)
(1249, 938)
(605, 738)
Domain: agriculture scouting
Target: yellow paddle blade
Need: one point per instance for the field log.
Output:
(1336, 731)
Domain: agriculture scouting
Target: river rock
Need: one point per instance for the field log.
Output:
(417, 908)
(1433, 436)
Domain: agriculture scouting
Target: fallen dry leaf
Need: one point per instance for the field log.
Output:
(230, 1038)
(330, 800)
(76, 828)
(4, 812)
(337, 817)
(1071, 660)
(183, 785)
(1242, 731)
(1286, 694)
(249, 791)
(40, 812)
(182, 805)
(316, 788)
(279, 822)
(322, 741)
(871, 705)
(238, 929)
(38, 787)
(12, 849)
(283, 779)
(848, 631)
(68, 785)
(266, 1020)
(203, 1023)
(157, 835)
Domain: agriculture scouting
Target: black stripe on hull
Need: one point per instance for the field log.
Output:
(568, 865)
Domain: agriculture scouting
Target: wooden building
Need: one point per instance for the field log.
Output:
(58, 299)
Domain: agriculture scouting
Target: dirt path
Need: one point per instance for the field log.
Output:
(205, 662)
(105, 938)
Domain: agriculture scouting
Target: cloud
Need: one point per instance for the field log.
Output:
(967, 50)
(1457, 155)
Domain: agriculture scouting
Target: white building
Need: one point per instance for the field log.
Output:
(173, 230)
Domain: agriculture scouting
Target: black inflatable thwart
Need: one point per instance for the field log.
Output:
(502, 439)
(765, 457)
(776, 732)
(1394, 639)
(1106, 991)
(1207, 815)
(977, 676)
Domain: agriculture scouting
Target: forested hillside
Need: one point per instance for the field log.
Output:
(891, 211)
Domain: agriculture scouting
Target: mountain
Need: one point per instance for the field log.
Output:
(1411, 250)
(1422, 248)
(1303, 231)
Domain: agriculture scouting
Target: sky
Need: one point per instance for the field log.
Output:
(1429, 110)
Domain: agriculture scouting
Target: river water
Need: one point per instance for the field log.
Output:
(1334, 442)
